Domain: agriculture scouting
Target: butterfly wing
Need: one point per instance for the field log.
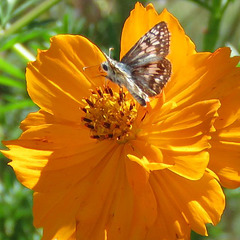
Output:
(152, 77)
(150, 70)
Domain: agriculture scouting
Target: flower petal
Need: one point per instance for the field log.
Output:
(133, 216)
(182, 136)
(84, 199)
(225, 151)
(183, 208)
(36, 119)
(61, 224)
(57, 81)
(201, 78)
(48, 152)
(229, 113)
(146, 155)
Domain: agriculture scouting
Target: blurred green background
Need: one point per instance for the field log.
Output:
(27, 25)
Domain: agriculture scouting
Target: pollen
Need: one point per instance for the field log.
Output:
(110, 115)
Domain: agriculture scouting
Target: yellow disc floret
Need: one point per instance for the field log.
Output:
(110, 115)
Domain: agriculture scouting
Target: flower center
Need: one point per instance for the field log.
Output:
(110, 115)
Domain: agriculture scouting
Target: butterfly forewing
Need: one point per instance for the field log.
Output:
(154, 44)
(149, 68)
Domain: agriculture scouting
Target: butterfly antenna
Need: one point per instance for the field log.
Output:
(109, 51)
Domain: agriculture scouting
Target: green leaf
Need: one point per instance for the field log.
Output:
(6, 9)
(23, 7)
(21, 37)
(16, 105)
(11, 69)
(10, 82)
(29, 16)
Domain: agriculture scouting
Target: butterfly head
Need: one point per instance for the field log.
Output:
(114, 71)
(109, 64)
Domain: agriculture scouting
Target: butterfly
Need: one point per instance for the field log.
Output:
(144, 70)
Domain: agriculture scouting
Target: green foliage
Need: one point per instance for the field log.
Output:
(15, 209)
(27, 25)
(216, 9)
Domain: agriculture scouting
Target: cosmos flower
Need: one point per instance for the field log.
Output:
(104, 167)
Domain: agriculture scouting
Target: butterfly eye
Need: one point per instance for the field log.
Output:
(105, 67)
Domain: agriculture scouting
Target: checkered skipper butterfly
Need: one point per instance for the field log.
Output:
(144, 70)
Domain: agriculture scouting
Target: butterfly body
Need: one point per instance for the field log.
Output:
(120, 74)
(144, 70)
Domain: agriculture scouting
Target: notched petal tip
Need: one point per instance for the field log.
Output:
(141, 20)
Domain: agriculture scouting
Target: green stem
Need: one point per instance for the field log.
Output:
(22, 51)
(29, 16)
(212, 35)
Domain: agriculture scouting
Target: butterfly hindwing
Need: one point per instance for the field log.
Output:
(152, 77)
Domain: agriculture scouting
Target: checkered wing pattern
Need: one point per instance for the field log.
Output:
(149, 68)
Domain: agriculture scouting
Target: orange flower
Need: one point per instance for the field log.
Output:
(103, 167)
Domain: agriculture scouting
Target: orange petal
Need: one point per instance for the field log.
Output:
(146, 155)
(36, 119)
(138, 204)
(42, 118)
(48, 152)
(183, 137)
(229, 112)
(84, 200)
(225, 150)
(57, 81)
(184, 205)
(184, 84)
(201, 78)
(27, 163)
(224, 161)
(62, 224)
